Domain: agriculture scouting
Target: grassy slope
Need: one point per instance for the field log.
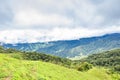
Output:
(16, 69)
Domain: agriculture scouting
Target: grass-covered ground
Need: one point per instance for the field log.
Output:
(17, 69)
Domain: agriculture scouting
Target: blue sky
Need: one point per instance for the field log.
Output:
(49, 20)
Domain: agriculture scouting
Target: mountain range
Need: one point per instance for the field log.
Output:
(72, 48)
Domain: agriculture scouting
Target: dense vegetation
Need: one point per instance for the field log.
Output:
(46, 58)
(107, 59)
(9, 50)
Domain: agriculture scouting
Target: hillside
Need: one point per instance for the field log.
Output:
(72, 48)
(107, 59)
(18, 69)
(17, 65)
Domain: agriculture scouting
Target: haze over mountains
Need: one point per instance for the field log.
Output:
(25, 24)
(72, 48)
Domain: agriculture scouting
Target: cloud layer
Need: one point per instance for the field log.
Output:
(50, 20)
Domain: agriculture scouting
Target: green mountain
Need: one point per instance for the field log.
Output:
(17, 65)
(109, 59)
(72, 48)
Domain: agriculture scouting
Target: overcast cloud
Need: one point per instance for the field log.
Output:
(49, 20)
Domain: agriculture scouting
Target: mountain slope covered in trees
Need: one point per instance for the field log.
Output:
(72, 48)
(109, 59)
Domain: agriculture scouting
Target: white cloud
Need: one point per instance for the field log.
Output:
(63, 13)
(33, 18)
(23, 36)
(50, 20)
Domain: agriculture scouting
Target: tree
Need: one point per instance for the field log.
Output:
(2, 50)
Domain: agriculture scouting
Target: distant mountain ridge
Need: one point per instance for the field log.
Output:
(72, 48)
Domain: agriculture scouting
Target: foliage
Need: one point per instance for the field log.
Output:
(8, 50)
(85, 67)
(107, 59)
(2, 49)
(117, 68)
(46, 58)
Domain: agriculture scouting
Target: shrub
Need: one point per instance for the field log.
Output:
(117, 68)
(84, 66)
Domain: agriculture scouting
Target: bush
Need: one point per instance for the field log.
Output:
(117, 68)
(84, 66)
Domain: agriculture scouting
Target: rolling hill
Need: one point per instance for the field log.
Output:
(18, 69)
(72, 48)
(17, 65)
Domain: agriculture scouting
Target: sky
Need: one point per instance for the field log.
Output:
(32, 21)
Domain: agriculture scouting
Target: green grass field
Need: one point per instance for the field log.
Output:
(18, 69)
